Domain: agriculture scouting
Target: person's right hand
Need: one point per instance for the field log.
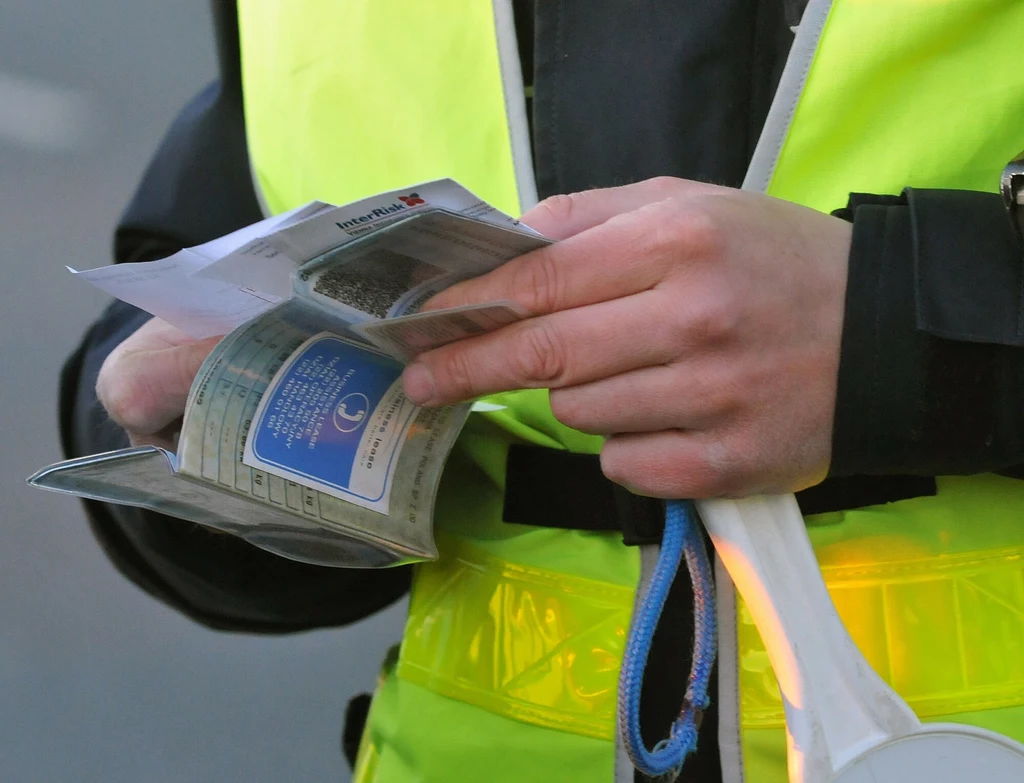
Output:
(144, 382)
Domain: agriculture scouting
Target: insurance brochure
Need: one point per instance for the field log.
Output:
(296, 434)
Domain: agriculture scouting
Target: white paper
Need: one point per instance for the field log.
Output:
(267, 266)
(219, 248)
(215, 287)
(199, 307)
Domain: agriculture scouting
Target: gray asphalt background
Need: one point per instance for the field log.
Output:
(97, 681)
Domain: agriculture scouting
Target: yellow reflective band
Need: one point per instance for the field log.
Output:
(531, 644)
(947, 633)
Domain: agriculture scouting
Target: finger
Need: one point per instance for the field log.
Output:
(153, 335)
(624, 255)
(167, 438)
(678, 464)
(566, 215)
(649, 399)
(144, 391)
(563, 349)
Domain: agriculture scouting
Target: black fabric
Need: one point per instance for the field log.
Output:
(931, 368)
(559, 489)
(553, 488)
(641, 519)
(850, 492)
(623, 92)
(523, 13)
(794, 11)
(356, 714)
(968, 276)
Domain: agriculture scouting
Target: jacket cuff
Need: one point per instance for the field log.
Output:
(967, 267)
(879, 379)
(929, 372)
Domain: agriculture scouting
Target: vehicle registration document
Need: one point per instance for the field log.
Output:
(296, 434)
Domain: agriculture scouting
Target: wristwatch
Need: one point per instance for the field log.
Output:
(1012, 185)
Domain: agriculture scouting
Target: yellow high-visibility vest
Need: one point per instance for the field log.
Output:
(508, 667)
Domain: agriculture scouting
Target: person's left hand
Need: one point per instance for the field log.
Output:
(696, 326)
(144, 382)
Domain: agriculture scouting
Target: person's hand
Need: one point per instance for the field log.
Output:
(144, 382)
(696, 326)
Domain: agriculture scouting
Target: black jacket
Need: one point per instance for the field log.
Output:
(929, 389)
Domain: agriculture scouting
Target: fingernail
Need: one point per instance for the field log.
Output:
(419, 383)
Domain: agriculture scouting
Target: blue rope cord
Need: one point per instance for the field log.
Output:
(682, 539)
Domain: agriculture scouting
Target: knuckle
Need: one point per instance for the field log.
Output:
(455, 371)
(653, 476)
(539, 283)
(725, 468)
(558, 208)
(701, 472)
(710, 319)
(685, 229)
(640, 229)
(709, 483)
(186, 366)
(615, 466)
(654, 232)
(704, 484)
(711, 394)
(126, 397)
(703, 231)
(665, 184)
(701, 479)
(538, 355)
(569, 410)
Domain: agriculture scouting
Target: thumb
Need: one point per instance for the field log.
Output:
(146, 390)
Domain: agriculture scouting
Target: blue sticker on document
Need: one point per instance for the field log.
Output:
(334, 418)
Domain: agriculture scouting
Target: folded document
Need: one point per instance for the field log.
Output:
(296, 434)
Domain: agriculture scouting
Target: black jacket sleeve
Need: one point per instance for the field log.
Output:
(196, 188)
(931, 377)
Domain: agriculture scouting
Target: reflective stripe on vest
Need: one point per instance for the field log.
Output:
(533, 644)
(947, 632)
(345, 100)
